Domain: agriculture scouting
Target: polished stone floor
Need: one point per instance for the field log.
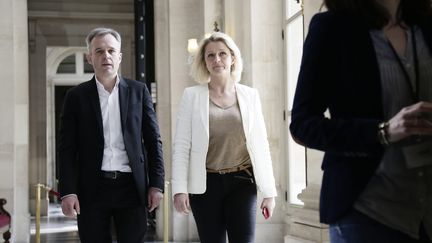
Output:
(57, 228)
(64, 237)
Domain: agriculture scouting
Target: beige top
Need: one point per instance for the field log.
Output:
(227, 143)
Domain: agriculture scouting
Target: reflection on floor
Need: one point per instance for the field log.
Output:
(57, 228)
(56, 222)
(65, 237)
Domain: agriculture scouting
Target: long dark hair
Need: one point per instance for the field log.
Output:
(410, 11)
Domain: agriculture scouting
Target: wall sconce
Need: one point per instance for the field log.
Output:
(192, 46)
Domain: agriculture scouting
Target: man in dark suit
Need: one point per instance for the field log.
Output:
(111, 164)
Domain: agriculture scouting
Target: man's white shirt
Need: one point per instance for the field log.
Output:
(114, 156)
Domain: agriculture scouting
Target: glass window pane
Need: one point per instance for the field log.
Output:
(294, 50)
(87, 67)
(297, 170)
(294, 53)
(292, 7)
(67, 65)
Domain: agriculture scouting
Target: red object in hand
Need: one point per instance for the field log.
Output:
(265, 213)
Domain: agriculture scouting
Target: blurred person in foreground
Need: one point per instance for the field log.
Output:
(368, 63)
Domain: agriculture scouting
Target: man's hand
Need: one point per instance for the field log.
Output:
(154, 197)
(70, 206)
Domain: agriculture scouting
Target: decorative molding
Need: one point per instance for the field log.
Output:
(34, 14)
(71, 79)
(56, 54)
(310, 196)
(304, 222)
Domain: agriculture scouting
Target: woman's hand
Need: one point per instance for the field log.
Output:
(411, 120)
(181, 203)
(269, 204)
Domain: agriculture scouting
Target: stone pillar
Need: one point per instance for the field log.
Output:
(256, 28)
(176, 21)
(37, 118)
(14, 125)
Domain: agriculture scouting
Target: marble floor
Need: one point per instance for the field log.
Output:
(56, 228)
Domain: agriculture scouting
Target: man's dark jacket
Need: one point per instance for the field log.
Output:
(81, 142)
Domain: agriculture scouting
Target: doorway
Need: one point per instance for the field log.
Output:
(59, 95)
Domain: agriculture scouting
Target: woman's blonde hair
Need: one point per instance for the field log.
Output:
(199, 71)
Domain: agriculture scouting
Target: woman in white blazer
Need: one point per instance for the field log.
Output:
(221, 153)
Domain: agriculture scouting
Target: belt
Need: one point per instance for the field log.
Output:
(114, 174)
(230, 170)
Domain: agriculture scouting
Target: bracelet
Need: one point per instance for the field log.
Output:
(383, 133)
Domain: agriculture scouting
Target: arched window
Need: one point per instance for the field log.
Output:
(74, 64)
(68, 65)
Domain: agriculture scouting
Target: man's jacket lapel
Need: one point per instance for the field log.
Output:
(94, 100)
(124, 101)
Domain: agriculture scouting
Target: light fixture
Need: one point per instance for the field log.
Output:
(192, 46)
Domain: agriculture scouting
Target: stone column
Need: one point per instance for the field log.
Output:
(176, 21)
(14, 125)
(256, 28)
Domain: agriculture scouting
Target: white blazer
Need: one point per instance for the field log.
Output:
(191, 141)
